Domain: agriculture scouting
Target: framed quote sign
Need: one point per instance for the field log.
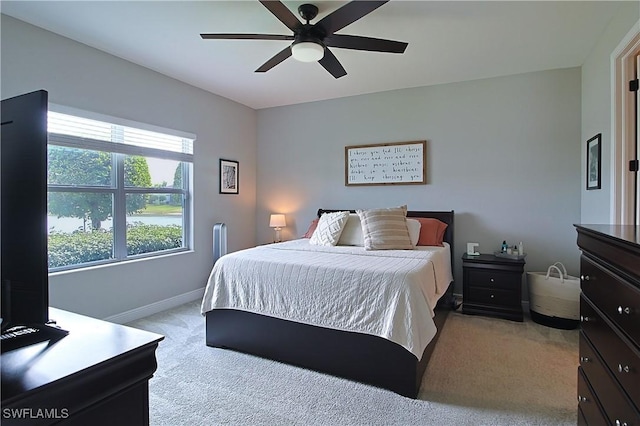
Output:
(398, 163)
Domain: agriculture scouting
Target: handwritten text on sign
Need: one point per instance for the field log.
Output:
(396, 163)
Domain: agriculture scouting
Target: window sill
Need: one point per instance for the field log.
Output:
(116, 263)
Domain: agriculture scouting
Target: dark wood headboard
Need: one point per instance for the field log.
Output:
(444, 216)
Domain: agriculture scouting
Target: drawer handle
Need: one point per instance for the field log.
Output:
(623, 369)
(585, 319)
(584, 277)
(492, 296)
(622, 310)
(491, 279)
(619, 423)
(584, 359)
(582, 398)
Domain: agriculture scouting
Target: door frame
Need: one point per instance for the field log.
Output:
(623, 135)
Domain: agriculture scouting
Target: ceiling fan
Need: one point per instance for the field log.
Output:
(311, 41)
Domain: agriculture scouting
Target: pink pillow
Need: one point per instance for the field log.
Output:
(312, 228)
(431, 231)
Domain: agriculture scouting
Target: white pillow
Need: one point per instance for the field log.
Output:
(329, 229)
(352, 232)
(414, 230)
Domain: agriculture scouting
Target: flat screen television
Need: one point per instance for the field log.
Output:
(23, 205)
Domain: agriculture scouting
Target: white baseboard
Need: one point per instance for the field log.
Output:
(154, 308)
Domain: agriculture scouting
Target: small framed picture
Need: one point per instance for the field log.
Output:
(229, 177)
(594, 162)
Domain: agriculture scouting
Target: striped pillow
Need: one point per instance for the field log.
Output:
(385, 229)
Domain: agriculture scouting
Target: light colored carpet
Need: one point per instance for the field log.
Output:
(483, 371)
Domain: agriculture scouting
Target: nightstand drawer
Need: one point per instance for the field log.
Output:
(492, 286)
(494, 297)
(494, 279)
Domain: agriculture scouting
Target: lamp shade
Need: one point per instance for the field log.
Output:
(307, 51)
(277, 221)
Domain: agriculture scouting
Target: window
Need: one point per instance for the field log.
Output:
(115, 192)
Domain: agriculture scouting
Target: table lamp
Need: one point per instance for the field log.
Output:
(277, 221)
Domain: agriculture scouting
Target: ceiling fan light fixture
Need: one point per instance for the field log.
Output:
(313, 42)
(307, 51)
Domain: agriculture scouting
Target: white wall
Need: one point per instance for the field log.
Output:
(507, 154)
(82, 77)
(596, 111)
(504, 153)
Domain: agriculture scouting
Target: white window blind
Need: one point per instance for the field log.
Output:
(86, 133)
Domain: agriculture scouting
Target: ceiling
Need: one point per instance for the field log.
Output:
(449, 41)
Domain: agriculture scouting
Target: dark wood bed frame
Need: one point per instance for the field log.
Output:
(355, 356)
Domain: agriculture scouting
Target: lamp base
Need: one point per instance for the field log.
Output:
(277, 240)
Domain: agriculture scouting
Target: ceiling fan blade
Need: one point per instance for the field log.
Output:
(348, 14)
(279, 57)
(246, 37)
(365, 43)
(283, 13)
(331, 64)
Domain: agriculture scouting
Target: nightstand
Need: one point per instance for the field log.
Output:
(492, 286)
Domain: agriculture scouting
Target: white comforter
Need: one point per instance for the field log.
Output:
(386, 293)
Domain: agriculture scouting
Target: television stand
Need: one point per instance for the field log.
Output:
(24, 335)
(96, 375)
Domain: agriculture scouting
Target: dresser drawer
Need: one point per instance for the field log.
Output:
(493, 297)
(614, 401)
(614, 296)
(589, 411)
(494, 279)
(621, 359)
(582, 421)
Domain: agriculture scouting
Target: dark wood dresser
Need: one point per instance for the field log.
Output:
(96, 375)
(492, 286)
(609, 371)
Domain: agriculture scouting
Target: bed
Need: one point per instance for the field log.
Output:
(387, 356)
